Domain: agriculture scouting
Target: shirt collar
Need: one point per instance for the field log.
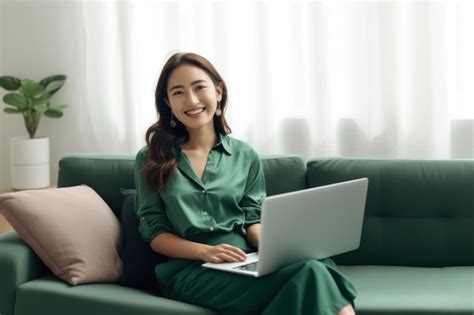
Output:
(223, 141)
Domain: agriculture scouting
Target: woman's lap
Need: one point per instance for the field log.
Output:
(309, 286)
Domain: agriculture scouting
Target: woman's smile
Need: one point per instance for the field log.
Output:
(195, 112)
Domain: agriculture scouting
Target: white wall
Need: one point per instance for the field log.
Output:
(35, 44)
(31, 48)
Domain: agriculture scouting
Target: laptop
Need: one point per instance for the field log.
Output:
(317, 223)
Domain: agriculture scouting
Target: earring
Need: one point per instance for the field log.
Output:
(172, 122)
(218, 110)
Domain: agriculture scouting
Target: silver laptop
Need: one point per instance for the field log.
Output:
(315, 223)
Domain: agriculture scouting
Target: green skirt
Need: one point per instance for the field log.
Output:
(306, 287)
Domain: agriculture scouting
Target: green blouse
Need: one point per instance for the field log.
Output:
(228, 198)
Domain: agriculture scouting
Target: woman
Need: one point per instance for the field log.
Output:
(199, 194)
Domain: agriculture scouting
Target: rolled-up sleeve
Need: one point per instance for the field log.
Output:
(255, 191)
(150, 208)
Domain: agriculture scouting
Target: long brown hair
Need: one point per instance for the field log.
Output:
(161, 137)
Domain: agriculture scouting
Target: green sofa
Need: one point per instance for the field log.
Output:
(416, 254)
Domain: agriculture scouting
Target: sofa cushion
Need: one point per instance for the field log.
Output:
(107, 174)
(283, 173)
(139, 260)
(47, 295)
(72, 230)
(18, 264)
(412, 290)
(418, 212)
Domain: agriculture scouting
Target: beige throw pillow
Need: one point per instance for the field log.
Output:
(72, 230)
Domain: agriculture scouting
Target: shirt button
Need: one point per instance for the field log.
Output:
(204, 213)
(211, 229)
(203, 191)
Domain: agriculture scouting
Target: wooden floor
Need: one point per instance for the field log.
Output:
(4, 226)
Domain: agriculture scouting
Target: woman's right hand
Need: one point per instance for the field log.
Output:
(223, 253)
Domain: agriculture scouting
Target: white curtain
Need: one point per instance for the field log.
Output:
(331, 78)
(377, 79)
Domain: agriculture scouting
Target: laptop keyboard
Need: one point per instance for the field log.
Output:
(248, 267)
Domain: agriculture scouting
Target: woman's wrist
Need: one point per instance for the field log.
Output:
(171, 245)
(202, 251)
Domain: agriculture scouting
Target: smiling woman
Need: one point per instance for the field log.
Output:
(199, 196)
(195, 101)
(191, 89)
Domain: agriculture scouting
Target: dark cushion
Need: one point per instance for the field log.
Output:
(139, 260)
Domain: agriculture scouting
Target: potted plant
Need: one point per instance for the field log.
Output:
(30, 155)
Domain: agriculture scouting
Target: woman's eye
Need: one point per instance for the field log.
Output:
(176, 93)
(200, 87)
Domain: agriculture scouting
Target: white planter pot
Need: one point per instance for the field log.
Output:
(29, 162)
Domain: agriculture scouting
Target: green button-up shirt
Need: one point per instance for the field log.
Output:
(228, 198)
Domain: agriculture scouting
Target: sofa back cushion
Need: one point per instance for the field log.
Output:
(107, 174)
(418, 212)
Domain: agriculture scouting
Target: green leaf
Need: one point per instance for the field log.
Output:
(15, 99)
(32, 88)
(10, 83)
(25, 93)
(44, 97)
(47, 81)
(56, 77)
(41, 106)
(52, 113)
(57, 107)
(54, 86)
(12, 110)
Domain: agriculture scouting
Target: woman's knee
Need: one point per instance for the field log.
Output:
(313, 264)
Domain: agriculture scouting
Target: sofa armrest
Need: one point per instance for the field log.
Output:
(18, 264)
